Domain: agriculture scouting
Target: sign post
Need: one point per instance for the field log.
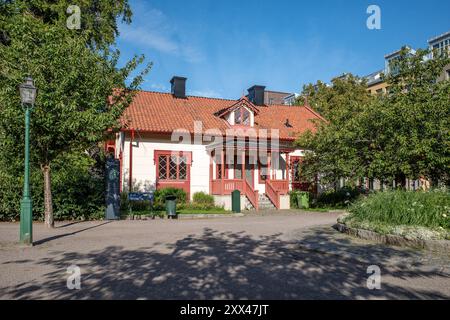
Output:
(112, 189)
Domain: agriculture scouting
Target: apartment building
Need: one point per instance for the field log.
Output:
(375, 82)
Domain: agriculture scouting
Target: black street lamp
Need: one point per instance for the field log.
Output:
(27, 96)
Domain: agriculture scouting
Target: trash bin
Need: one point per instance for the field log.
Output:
(171, 206)
(236, 201)
(303, 199)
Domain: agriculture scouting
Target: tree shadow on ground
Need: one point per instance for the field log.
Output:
(225, 265)
(42, 241)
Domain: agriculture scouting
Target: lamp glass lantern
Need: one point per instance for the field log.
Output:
(28, 91)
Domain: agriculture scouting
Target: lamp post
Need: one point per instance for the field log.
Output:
(27, 96)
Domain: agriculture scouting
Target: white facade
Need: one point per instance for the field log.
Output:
(144, 168)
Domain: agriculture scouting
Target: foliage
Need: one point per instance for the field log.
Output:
(340, 198)
(99, 18)
(78, 185)
(135, 206)
(293, 200)
(347, 90)
(161, 194)
(203, 200)
(404, 208)
(82, 92)
(195, 208)
(404, 134)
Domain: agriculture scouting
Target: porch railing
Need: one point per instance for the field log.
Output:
(273, 194)
(252, 195)
(282, 186)
(229, 185)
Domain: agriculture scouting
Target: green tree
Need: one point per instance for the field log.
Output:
(347, 93)
(82, 92)
(332, 149)
(404, 134)
(417, 111)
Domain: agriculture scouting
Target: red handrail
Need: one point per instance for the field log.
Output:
(229, 185)
(251, 194)
(273, 194)
(282, 186)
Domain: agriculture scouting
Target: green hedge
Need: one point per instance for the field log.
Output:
(161, 194)
(409, 208)
(78, 188)
(338, 199)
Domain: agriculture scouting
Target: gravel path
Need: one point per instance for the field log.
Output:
(273, 256)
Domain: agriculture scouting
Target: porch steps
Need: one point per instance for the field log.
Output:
(264, 203)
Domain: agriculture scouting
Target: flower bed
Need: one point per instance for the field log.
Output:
(415, 214)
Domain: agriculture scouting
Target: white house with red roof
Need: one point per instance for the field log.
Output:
(213, 145)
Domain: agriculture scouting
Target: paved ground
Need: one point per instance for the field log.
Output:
(283, 256)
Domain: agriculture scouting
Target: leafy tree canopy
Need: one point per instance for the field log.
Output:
(82, 91)
(402, 134)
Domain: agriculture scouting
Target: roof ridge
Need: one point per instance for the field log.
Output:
(192, 96)
(285, 105)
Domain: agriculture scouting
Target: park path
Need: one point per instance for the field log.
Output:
(273, 256)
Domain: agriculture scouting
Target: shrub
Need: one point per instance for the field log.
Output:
(204, 200)
(338, 199)
(78, 188)
(161, 194)
(135, 205)
(409, 208)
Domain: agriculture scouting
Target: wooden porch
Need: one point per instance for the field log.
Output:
(273, 187)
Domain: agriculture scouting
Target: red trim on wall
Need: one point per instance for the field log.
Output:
(130, 181)
(121, 171)
(174, 183)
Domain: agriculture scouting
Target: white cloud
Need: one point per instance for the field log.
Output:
(205, 93)
(159, 87)
(152, 29)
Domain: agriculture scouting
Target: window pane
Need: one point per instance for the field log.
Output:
(173, 168)
(237, 116)
(182, 168)
(246, 117)
(162, 167)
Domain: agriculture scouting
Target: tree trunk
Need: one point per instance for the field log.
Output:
(48, 201)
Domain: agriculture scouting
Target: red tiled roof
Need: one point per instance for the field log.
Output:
(163, 113)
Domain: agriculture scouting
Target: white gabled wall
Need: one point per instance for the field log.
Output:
(144, 168)
(230, 117)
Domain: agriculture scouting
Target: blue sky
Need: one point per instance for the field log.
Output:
(224, 47)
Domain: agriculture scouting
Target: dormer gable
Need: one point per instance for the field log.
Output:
(241, 113)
